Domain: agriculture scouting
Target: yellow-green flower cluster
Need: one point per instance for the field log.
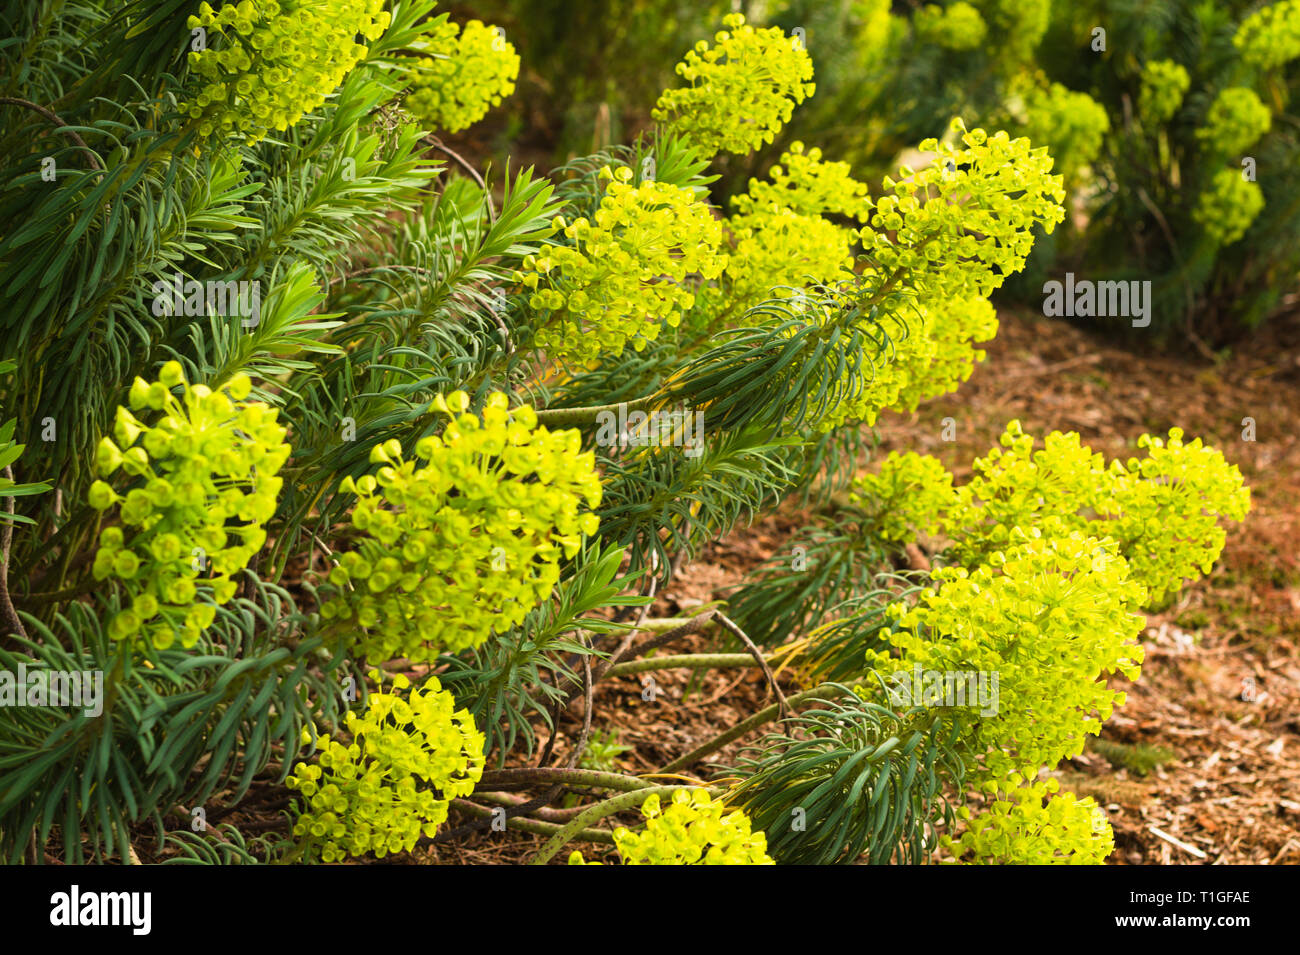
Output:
(943, 353)
(743, 89)
(775, 254)
(804, 183)
(626, 273)
(782, 240)
(900, 368)
(1228, 207)
(911, 493)
(1164, 84)
(1163, 510)
(1014, 487)
(467, 543)
(694, 829)
(1052, 615)
(964, 223)
(946, 237)
(200, 485)
(277, 60)
(1022, 831)
(931, 353)
(1235, 121)
(1270, 36)
(464, 77)
(408, 759)
(955, 327)
(1070, 124)
(956, 27)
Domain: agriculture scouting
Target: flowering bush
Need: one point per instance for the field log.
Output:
(512, 409)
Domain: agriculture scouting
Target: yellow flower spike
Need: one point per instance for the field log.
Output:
(497, 501)
(741, 91)
(198, 473)
(375, 800)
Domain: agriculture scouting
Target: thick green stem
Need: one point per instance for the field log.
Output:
(687, 661)
(609, 807)
(502, 778)
(669, 624)
(823, 692)
(586, 417)
(535, 826)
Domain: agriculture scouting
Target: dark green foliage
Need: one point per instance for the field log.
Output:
(849, 779)
(177, 727)
(531, 669)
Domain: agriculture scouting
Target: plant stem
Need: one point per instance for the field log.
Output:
(62, 127)
(579, 417)
(535, 826)
(545, 814)
(823, 692)
(504, 778)
(8, 616)
(688, 661)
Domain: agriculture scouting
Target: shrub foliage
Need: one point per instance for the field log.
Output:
(309, 454)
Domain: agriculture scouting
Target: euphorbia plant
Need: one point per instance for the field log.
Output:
(402, 461)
